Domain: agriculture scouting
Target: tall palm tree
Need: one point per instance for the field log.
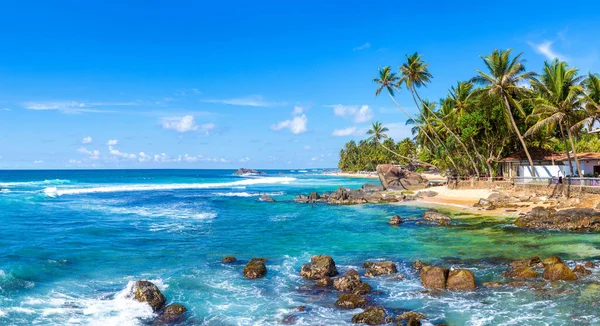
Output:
(415, 74)
(377, 134)
(503, 79)
(559, 102)
(592, 96)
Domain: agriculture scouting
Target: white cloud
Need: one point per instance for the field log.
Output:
(38, 161)
(297, 125)
(362, 47)
(180, 124)
(115, 152)
(5, 109)
(112, 142)
(252, 100)
(298, 110)
(545, 48)
(86, 140)
(359, 115)
(74, 107)
(344, 132)
(207, 127)
(94, 154)
(75, 162)
(307, 147)
(143, 157)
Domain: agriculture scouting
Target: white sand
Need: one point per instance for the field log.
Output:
(456, 196)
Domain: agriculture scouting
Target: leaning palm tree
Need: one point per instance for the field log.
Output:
(592, 98)
(377, 134)
(415, 74)
(559, 102)
(503, 80)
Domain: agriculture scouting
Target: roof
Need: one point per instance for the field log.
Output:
(537, 154)
(582, 156)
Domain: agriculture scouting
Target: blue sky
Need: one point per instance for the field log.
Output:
(264, 84)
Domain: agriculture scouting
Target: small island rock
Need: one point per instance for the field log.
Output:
(319, 267)
(255, 268)
(145, 291)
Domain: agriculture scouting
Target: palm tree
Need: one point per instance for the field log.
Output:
(592, 96)
(559, 102)
(415, 74)
(377, 134)
(502, 80)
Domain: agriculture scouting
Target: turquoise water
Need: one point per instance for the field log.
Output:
(72, 242)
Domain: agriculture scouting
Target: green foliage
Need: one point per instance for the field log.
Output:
(365, 155)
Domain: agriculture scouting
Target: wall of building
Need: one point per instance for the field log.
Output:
(544, 171)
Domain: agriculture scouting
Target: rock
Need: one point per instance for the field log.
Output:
(429, 193)
(551, 261)
(579, 269)
(589, 264)
(380, 268)
(362, 289)
(413, 322)
(371, 187)
(145, 291)
(255, 268)
(433, 215)
(314, 196)
(266, 198)
(483, 202)
(535, 262)
(392, 177)
(289, 319)
(350, 301)
(410, 315)
(559, 272)
(345, 196)
(349, 281)
(493, 285)
(301, 308)
(572, 219)
(172, 313)
(324, 282)
(461, 280)
(434, 277)
(371, 316)
(301, 199)
(395, 220)
(243, 171)
(417, 265)
(228, 259)
(398, 277)
(319, 267)
(521, 273)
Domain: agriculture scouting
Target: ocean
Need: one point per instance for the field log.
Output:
(73, 242)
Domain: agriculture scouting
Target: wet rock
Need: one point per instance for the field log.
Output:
(243, 171)
(551, 261)
(362, 289)
(559, 272)
(410, 315)
(324, 282)
(589, 264)
(434, 277)
(380, 268)
(289, 319)
(418, 265)
(392, 177)
(371, 316)
(413, 322)
(145, 291)
(301, 199)
(395, 220)
(301, 308)
(350, 301)
(435, 216)
(398, 277)
(521, 273)
(266, 198)
(371, 187)
(228, 259)
(579, 269)
(314, 196)
(255, 268)
(493, 285)
(572, 219)
(344, 196)
(172, 313)
(349, 281)
(319, 267)
(534, 262)
(461, 280)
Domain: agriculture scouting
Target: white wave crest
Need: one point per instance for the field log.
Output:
(34, 183)
(246, 194)
(54, 191)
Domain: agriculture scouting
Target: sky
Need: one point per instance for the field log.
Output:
(229, 84)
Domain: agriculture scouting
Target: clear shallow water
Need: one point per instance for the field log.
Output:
(72, 242)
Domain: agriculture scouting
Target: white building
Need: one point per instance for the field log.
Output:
(547, 164)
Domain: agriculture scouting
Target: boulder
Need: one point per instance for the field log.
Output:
(572, 219)
(461, 280)
(579, 269)
(371, 187)
(362, 289)
(380, 268)
(435, 216)
(559, 272)
(349, 281)
(535, 262)
(493, 285)
(266, 198)
(301, 199)
(392, 177)
(434, 277)
(243, 171)
(589, 264)
(255, 268)
(350, 301)
(319, 267)
(428, 193)
(347, 197)
(371, 316)
(414, 322)
(410, 315)
(145, 291)
(395, 220)
(324, 282)
(418, 265)
(314, 196)
(551, 261)
(521, 273)
(172, 313)
(228, 259)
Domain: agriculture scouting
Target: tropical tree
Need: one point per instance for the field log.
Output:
(592, 96)
(377, 134)
(504, 79)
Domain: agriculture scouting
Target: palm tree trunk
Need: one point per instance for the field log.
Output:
(574, 152)
(562, 133)
(402, 156)
(514, 125)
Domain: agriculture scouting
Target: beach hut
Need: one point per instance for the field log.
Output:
(547, 164)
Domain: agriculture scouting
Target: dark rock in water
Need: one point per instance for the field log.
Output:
(242, 171)
(572, 219)
(435, 216)
(145, 291)
(551, 261)
(289, 319)
(392, 177)
(418, 265)
(413, 322)
(461, 280)
(228, 259)
(395, 220)
(362, 289)
(589, 264)
(559, 272)
(579, 269)
(380, 268)
(493, 285)
(350, 301)
(521, 273)
(314, 196)
(266, 198)
(371, 187)
(347, 196)
(410, 315)
(535, 262)
(319, 267)
(349, 281)
(324, 282)
(301, 199)
(434, 277)
(172, 313)
(371, 316)
(255, 268)
(301, 308)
